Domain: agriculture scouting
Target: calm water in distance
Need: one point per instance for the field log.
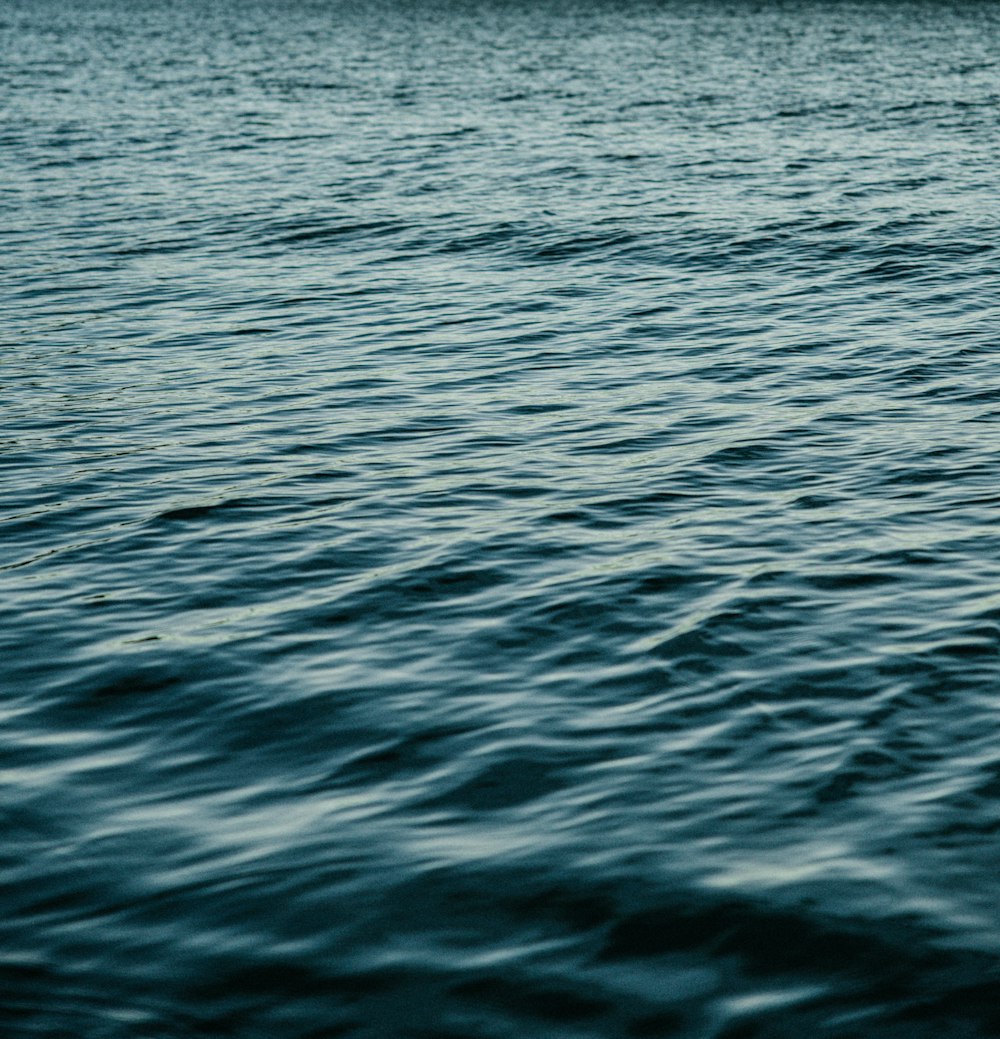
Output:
(500, 520)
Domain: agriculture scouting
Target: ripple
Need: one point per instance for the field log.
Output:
(499, 524)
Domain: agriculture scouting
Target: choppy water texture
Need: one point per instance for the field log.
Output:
(501, 530)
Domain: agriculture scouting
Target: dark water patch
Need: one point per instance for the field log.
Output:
(503, 785)
(199, 512)
(308, 231)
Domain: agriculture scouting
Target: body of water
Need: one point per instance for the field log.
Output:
(500, 520)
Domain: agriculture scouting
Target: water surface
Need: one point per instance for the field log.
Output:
(500, 528)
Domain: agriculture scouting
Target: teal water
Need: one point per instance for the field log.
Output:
(500, 531)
